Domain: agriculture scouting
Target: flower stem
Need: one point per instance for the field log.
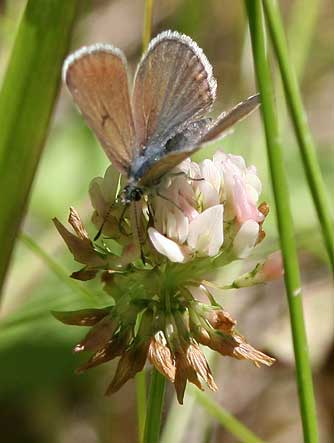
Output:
(154, 408)
(284, 220)
(302, 130)
(149, 416)
(141, 402)
(147, 23)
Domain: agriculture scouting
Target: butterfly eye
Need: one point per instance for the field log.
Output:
(136, 194)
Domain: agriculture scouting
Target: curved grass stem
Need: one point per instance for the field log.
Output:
(301, 128)
(223, 417)
(284, 221)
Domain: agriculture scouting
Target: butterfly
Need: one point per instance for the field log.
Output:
(147, 133)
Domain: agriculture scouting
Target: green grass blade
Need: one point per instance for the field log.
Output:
(299, 120)
(284, 219)
(179, 418)
(154, 407)
(303, 22)
(230, 423)
(148, 13)
(141, 403)
(27, 98)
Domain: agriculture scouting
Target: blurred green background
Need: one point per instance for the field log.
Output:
(41, 399)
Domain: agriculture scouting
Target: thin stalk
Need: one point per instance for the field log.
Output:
(141, 403)
(27, 98)
(284, 220)
(301, 128)
(154, 409)
(230, 423)
(302, 21)
(147, 23)
(149, 415)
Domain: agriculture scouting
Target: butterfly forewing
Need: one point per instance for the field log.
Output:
(97, 79)
(174, 85)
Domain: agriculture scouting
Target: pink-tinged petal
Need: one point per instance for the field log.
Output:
(206, 232)
(170, 220)
(208, 195)
(253, 181)
(177, 226)
(252, 194)
(246, 238)
(238, 161)
(218, 159)
(194, 170)
(183, 167)
(166, 246)
(273, 267)
(188, 210)
(244, 209)
(210, 173)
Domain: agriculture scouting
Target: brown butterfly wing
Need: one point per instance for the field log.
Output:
(174, 85)
(97, 79)
(177, 149)
(197, 134)
(228, 119)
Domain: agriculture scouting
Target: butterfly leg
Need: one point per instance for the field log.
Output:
(99, 232)
(169, 200)
(178, 174)
(138, 231)
(122, 220)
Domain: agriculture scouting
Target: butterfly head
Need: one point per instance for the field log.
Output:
(131, 193)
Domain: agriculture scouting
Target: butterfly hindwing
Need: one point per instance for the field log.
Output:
(177, 149)
(198, 133)
(228, 119)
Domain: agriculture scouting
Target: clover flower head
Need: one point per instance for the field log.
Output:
(198, 205)
(199, 218)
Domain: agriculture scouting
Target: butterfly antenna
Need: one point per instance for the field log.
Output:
(178, 174)
(99, 232)
(142, 255)
(121, 221)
